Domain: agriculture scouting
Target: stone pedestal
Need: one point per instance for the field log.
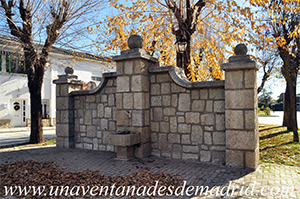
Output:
(124, 153)
(241, 110)
(133, 93)
(65, 84)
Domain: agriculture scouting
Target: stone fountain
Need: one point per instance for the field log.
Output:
(125, 142)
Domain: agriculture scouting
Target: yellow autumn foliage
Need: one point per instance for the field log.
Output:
(221, 25)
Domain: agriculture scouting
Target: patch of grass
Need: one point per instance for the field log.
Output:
(276, 145)
(47, 142)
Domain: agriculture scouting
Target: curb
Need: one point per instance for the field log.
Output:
(23, 129)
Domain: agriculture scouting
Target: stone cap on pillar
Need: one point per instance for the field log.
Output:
(241, 61)
(68, 78)
(135, 44)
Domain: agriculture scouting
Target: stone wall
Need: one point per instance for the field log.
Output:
(95, 115)
(213, 121)
(65, 84)
(133, 87)
(241, 110)
(187, 121)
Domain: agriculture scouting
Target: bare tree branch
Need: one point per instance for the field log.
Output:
(50, 18)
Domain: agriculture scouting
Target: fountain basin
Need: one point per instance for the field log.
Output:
(124, 142)
(124, 138)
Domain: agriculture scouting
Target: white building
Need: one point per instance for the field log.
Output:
(14, 94)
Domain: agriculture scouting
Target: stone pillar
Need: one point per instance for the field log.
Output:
(133, 87)
(241, 110)
(65, 84)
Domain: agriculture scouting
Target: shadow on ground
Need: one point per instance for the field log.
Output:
(273, 135)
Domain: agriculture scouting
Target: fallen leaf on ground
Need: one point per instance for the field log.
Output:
(32, 173)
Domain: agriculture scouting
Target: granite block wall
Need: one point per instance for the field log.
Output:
(186, 121)
(95, 116)
(212, 121)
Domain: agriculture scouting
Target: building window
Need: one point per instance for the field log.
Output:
(8, 63)
(96, 78)
(15, 64)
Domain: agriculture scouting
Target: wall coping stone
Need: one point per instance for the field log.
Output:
(105, 77)
(67, 79)
(180, 79)
(134, 54)
(240, 62)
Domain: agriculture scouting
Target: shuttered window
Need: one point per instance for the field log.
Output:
(14, 64)
(8, 63)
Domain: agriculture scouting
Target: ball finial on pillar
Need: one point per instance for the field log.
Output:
(135, 41)
(240, 49)
(69, 70)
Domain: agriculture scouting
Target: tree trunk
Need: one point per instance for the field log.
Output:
(290, 108)
(179, 60)
(36, 135)
(292, 122)
(286, 107)
(187, 56)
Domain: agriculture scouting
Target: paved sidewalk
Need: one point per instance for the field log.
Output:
(196, 173)
(275, 118)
